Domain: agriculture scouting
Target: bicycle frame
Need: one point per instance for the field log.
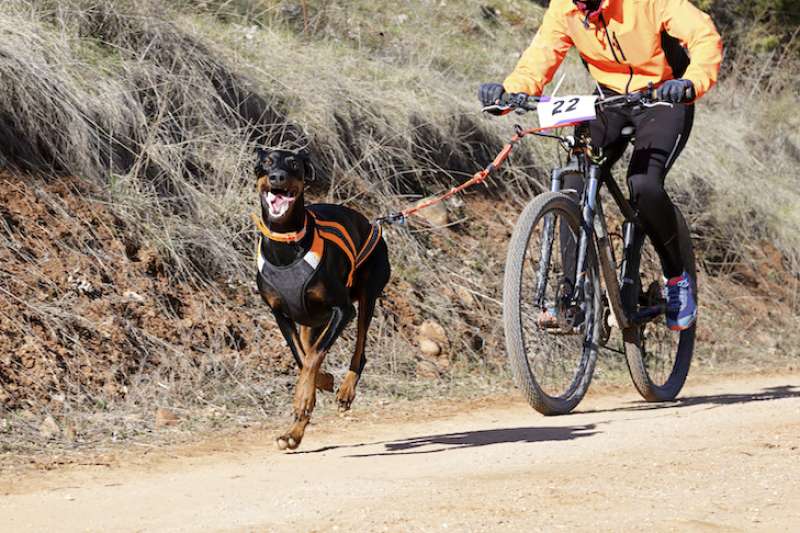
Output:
(594, 232)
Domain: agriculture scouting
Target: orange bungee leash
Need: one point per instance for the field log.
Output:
(479, 177)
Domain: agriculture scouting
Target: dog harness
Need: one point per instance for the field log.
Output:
(291, 282)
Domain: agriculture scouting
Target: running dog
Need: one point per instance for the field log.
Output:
(314, 263)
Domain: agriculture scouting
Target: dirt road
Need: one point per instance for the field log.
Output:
(726, 458)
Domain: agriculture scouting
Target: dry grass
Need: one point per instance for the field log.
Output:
(157, 112)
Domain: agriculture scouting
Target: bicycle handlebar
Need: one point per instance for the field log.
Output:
(520, 104)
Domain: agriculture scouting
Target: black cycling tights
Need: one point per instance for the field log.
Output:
(661, 134)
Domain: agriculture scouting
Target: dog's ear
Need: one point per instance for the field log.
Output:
(305, 157)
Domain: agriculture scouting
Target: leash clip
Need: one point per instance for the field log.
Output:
(392, 219)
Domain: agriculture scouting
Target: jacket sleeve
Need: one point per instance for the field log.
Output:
(541, 60)
(697, 32)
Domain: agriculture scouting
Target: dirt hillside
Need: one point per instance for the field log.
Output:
(88, 311)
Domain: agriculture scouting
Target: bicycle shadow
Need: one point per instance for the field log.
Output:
(782, 392)
(468, 439)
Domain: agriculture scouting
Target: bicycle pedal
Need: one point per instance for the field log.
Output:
(548, 321)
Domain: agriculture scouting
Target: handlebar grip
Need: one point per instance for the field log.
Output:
(688, 94)
(519, 102)
(522, 101)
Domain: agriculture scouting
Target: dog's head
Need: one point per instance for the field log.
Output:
(281, 178)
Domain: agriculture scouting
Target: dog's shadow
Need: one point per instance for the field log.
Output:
(467, 439)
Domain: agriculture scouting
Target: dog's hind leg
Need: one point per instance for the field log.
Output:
(305, 397)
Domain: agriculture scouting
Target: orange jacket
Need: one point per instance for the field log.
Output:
(636, 59)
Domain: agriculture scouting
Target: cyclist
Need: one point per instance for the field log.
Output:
(627, 45)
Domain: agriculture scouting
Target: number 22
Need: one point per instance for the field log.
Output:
(573, 103)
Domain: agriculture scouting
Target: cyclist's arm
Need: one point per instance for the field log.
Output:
(697, 32)
(541, 60)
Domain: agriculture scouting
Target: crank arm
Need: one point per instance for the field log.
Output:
(648, 314)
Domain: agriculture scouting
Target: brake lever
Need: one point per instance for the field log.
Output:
(656, 104)
(497, 110)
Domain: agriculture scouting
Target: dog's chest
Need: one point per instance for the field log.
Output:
(299, 290)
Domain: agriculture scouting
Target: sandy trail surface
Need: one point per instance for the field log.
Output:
(724, 458)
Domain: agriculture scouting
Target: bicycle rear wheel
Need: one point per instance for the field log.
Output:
(552, 329)
(658, 358)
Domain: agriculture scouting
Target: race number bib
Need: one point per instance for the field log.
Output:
(561, 110)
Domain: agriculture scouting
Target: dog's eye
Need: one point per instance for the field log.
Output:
(293, 164)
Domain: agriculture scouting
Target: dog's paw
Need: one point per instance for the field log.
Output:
(292, 439)
(287, 442)
(344, 407)
(324, 381)
(344, 400)
(347, 392)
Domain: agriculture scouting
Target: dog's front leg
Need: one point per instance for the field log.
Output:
(288, 328)
(305, 396)
(289, 331)
(347, 390)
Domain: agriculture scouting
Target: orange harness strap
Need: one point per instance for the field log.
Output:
(338, 235)
(338, 228)
(372, 242)
(329, 231)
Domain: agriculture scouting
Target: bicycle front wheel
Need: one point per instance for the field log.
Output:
(552, 316)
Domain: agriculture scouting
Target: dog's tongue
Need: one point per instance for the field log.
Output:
(279, 203)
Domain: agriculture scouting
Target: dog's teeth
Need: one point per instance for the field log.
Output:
(278, 204)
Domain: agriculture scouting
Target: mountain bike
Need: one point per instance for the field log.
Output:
(564, 289)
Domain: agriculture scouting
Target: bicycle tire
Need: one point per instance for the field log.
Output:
(512, 316)
(634, 352)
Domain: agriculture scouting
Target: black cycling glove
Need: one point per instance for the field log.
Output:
(490, 93)
(676, 91)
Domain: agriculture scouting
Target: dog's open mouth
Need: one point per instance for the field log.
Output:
(279, 202)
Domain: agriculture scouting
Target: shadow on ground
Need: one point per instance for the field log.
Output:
(474, 439)
(783, 392)
(469, 439)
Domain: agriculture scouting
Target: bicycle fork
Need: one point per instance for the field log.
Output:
(547, 245)
(584, 241)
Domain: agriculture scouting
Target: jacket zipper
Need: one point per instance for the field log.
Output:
(614, 52)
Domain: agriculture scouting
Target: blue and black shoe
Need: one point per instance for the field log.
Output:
(681, 303)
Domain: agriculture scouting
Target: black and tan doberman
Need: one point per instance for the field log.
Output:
(314, 263)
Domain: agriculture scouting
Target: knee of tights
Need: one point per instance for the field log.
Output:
(648, 193)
